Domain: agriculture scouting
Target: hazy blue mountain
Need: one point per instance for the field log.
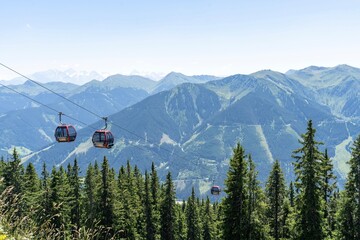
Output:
(206, 78)
(54, 75)
(322, 77)
(123, 81)
(173, 79)
(337, 87)
(192, 128)
(11, 100)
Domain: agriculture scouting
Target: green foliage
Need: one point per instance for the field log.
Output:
(107, 195)
(74, 198)
(276, 194)
(309, 183)
(192, 218)
(349, 209)
(167, 210)
(208, 232)
(91, 199)
(129, 205)
(237, 200)
(328, 189)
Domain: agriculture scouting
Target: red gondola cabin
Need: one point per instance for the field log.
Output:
(65, 133)
(103, 139)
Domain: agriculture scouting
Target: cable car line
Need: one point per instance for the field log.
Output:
(57, 94)
(42, 104)
(93, 113)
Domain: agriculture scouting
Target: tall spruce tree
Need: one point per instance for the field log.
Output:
(291, 194)
(309, 183)
(235, 223)
(31, 193)
(192, 218)
(208, 232)
(138, 203)
(180, 225)
(91, 200)
(148, 210)
(44, 213)
(276, 194)
(328, 190)
(59, 196)
(349, 219)
(257, 223)
(75, 198)
(121, 203)
(106, 204)
(167, 210)
(155, 199)
(13, 174)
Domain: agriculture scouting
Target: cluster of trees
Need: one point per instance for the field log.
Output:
(128, 204)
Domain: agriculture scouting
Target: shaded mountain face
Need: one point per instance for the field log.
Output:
(191, 130)
(337, 87)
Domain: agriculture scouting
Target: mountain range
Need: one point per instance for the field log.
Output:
(189, 125)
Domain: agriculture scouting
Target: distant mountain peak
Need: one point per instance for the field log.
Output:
(174, 74)
(314, 68)
(345, 67)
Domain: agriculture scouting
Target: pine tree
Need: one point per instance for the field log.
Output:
(180, 224)
(13, 177)
(31, 189)
(275, 191)
(235, 223)
(45, 210)
(106, 204)
(208, 227)
(291, 194)
(155, 200)
(167, 210)
(3, 165)
(91, 200)
(138, 203)
(132, 204)
(120, 202)
(349, 219)
(13, 174)
(328, 189)
(257, 224)
(148, 209)
(75, 197)
(308, 176)
(59, 198)
(192, 218)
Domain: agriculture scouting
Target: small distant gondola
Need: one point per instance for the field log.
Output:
(103, 138)
(65, 132)
(215, 190)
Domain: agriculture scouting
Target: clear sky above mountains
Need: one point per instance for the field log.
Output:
(193, 37)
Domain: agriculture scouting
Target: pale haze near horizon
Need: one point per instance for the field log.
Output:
(192, 37)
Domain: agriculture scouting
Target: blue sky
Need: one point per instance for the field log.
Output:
(189, 36)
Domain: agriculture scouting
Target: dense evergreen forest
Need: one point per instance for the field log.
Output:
(125, 203)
